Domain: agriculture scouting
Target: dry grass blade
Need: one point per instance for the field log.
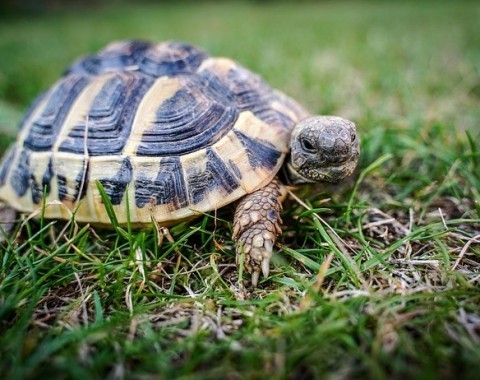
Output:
(464, 250)
(306, 302)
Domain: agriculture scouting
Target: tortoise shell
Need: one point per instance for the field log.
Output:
(163, 127)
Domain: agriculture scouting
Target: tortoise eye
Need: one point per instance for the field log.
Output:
(307, 145)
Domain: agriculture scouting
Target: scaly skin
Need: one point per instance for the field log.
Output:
(8, 217)
(256, 227)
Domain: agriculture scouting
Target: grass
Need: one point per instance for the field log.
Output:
(378, 278)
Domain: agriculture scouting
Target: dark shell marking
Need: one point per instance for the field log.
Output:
(205, 107)
(20, 177)
(168, 187)
(80, 184)
(260, 153)
(116, 56)
(156, 60)
(115, 186)
(215, 176)
(110, 117)
(44, 131)
(193, 118)
(171, 59)
(44, 187)
(249, 93)
(5, 165)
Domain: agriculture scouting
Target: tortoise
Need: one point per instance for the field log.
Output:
(171, 133)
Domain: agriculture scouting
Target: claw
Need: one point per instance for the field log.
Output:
(266, 266)
(236, 230)
(255, 277)
(278, 230)
(268, 244)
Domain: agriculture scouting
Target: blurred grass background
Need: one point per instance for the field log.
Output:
(391, 60)
(407, 72)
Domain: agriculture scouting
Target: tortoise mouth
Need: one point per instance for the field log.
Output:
(331, 173)
(337, 172)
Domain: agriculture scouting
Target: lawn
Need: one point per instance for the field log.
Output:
(377, 278)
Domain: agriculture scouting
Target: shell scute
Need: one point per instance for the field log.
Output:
(171, 58)
(250, 93)
(6, 164)
(72, 175)
(214, 175)
(116, 185)
(166, 187)
(260, 153)
(41, 174)
(106, 127)
(43, 133)
(20, 177)
(191, 119)
(156, 60)
(109, 101)
(115, 56)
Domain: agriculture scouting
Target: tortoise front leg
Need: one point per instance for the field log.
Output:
(256, 225)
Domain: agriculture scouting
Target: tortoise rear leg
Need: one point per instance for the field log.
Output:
(256, 225)
(8, 218)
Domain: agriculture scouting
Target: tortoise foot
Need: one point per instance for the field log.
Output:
(8, 218)
(256, 227)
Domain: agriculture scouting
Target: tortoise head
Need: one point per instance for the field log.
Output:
(323, 149)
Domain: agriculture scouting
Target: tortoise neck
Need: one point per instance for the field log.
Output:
(290, 176)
